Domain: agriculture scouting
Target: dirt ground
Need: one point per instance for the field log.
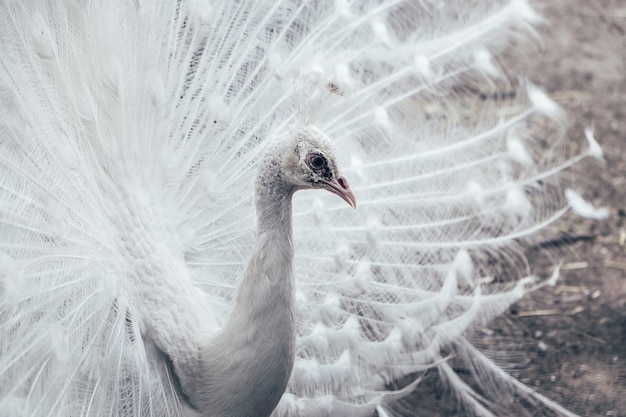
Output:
(578, 328)
(572, 338)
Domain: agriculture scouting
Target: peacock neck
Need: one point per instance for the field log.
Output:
(266, 290)
(246, 367)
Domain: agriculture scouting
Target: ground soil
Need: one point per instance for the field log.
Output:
(578, 328)
(572, 337)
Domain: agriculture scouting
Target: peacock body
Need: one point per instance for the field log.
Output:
(131, 134)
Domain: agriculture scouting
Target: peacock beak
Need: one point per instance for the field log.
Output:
(341, 187)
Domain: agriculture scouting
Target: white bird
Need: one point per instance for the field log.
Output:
(132, 282)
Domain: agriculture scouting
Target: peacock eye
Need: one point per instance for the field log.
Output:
(316, 161)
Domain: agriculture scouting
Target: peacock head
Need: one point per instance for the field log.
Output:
(308, 162)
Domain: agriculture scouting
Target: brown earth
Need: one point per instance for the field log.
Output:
(570, 340)
(578, 328)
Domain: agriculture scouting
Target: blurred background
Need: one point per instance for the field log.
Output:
(569, 341)
(579, 330)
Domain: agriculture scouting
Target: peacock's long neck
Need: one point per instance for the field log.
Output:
(266, 290)
(245, 368)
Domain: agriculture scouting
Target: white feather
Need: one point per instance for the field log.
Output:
(584, 208)
(594, 147)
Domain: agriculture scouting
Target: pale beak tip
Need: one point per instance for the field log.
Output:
(352, 202)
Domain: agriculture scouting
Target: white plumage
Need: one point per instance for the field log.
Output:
(130, 136)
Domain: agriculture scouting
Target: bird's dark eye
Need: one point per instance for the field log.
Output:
(316, 161)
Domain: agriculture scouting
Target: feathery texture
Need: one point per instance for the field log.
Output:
(130, 134)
